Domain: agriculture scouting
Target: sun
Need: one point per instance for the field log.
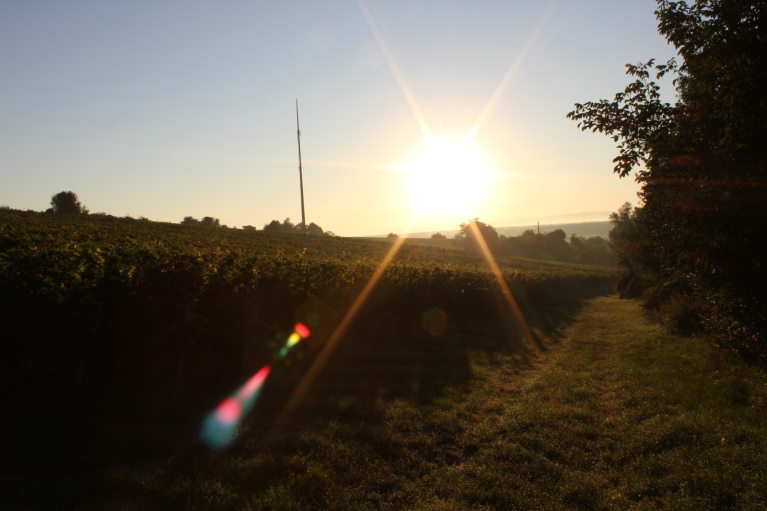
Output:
(447, 179)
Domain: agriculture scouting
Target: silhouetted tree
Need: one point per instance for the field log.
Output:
(286, 226)
(554, 246)
(67, 203)
(207, 221)
(273, 226)
(701, 164)
(438, 236)
(625, 238)
(556, 236)
(627, 241)
(489, 234)
(594, 250)
(313, 229)
(249, 228)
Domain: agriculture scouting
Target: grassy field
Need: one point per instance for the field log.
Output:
(618, 415)
(615, 414)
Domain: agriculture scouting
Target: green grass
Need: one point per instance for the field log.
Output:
(616, 415)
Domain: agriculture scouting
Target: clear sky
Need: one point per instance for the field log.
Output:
(165, 109)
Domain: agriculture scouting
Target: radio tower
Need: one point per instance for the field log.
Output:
(300, 170)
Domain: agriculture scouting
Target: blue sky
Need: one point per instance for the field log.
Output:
(168, 109)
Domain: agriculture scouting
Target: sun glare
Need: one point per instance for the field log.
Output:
(447, 179)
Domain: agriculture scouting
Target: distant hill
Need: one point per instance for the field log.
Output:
(582, 229)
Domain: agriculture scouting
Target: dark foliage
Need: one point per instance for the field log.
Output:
(472, 228)
(552, 246)
(699, 234)
(207, 221)
(67, 203)
(288, 227)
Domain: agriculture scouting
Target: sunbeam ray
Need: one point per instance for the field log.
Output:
(394, 68)
(351, 313)
(506, 80)
(502, 284)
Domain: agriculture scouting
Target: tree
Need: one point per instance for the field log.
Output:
(469, 229)
(554, 246)
(209, 221)
(273, 226)
(286, 226)
(313, 229)
(594, 250)
(67, 203)
(700, 163)
(627, 241)
(555, 237)
(438, 236)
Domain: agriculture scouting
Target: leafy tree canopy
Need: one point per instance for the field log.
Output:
(286, 226)
(700, 162)
(469, 229)
(67, 203)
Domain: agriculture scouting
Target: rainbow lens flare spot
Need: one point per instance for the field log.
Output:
(302, 330)
(229, 411)
(293, 339)
(220, 426)
(254, 384)
(434, 321)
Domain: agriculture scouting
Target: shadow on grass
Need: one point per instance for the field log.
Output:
(152, 427)
(394, 357)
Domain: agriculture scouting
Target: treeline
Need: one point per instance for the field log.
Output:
(275, 226)
(68, 203)
(552, 246)
(286, 226)
(694, 248)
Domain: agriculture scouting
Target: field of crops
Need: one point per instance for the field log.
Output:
(121, 321)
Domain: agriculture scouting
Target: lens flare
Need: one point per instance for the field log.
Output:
(322, 357)
(302, 330)
(252, 386)
(434, 321)
(229, 411)
(220, 427)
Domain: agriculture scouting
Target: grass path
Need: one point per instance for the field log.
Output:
(618, 415)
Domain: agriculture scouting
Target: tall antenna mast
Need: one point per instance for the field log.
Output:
(300, 170)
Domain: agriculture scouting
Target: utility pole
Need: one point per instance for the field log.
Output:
(539, 227)
(300, 170)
